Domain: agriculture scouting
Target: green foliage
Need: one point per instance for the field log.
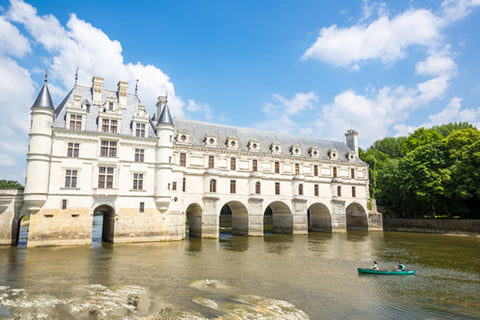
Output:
(10, 184)
(420, 137)
(434, 174)
(446, 129)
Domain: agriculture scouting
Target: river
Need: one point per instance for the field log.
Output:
(275, 277)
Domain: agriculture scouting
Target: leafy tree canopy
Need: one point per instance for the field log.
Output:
(420, 137)
(10, 184)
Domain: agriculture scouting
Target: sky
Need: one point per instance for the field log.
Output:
(308, 67)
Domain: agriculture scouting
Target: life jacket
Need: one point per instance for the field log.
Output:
(401, 266)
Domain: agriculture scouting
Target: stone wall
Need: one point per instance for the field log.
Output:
(10, 203)
(432, 225)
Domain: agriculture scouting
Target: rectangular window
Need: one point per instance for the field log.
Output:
(139, 155)
(354, 192)
(138, 181)
(183, 159)
(315, 190)
(277, 167)
(140, 130)
(254, 165)
(211, 161)
(110, 106)
(233, 163)
(108, 149)
(142, 207)
(233, 186)
(64, 204)
(297, 168)
(277, 188)
(71, 179)
(174, 185)
(73, 149)
(75, 122)
(184, 184)
(105, 177)
(352, 173)
(315, 170)
(109, 125)
(334, 172)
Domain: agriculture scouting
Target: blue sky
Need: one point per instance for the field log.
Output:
(313, 68)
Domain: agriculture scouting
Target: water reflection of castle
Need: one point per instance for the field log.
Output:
(100, 151)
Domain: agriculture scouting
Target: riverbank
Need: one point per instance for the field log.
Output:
(441, 226)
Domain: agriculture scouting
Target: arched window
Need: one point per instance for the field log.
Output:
(213, 185)
(339, 191)
(258, 188)
(300, 189)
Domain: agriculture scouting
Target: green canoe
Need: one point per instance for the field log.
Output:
(389, 272)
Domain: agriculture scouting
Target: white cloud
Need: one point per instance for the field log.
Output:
(448, 114)
(81, 45)
(12, 42)
(436, 64)
(385, 39)
(194, 106)
(453, 10)
(281, 111)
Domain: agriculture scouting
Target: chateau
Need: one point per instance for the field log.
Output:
(156, 178)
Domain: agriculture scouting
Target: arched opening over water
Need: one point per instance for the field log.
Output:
(193, 220)
(281, 218)
(319, 219)
(356, 218)
(103, 227)
(21, 236)
(234, 218)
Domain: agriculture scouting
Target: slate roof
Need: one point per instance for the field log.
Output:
(43, 99)
(198, 130)
(91, 124)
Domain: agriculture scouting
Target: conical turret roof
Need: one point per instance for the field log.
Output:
(165, 116)
(43, 99)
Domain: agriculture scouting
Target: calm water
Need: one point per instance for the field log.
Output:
(316, 273)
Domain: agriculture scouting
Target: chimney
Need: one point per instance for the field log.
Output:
(97, 84)
(122, 94)
(162, 102)
(352, 140)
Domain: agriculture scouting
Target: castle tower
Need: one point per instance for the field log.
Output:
(39, 151)
(163, 155)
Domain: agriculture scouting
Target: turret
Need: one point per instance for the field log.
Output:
(39, 151)
(352, 140)
(164, 151)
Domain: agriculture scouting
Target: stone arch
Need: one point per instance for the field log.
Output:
(194, 220)
(282, 218)
(108, 221)
(319, 218)
(239, 217)
(356, 218)
(20, 232)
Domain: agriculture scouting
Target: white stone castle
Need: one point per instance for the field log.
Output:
(156, 178)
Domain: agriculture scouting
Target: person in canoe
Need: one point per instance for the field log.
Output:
(400, 267)
(374, 266)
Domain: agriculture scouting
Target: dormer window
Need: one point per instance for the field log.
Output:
(75, 122)
(140, 129)
(232, 143)
(314, 152)
(254, 145)
(110, 106)
(183, 137)
(210, 140)
(333, 154)
(351, 156)
(109, 125)
(295, 150)
(276, 148)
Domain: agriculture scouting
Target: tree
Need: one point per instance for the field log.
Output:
(10, 184)
(423, 174)
(390, 146)
(420, 137)
(446, 129)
